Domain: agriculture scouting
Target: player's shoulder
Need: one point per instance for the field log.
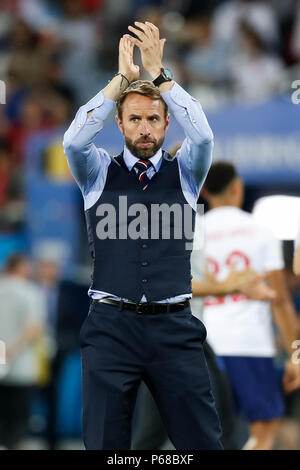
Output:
(257, 226)
(223, 217)
(227, 214)
(264, 232)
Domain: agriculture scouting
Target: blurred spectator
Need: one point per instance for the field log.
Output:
(259, 15)
(22, 313)
(54, 78)
(295, 40)
(41, 110)
(31, 120)
(24, 59)
(92, 6)
(6, 19)
(207, 59)
(41, 15)
(47, 276)
(11, 190)
(79, 40)
(194, 8)
(256, 74)
(8, 175)
(66, 311)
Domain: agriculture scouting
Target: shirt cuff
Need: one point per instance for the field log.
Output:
(177, 96)
(102, 106)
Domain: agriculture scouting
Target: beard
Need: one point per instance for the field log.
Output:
(141, 152)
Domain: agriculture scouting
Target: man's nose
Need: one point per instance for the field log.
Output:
(144, 128)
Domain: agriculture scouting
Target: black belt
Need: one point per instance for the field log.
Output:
(145, 307)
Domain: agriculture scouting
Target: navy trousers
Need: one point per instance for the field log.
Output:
(119, 349)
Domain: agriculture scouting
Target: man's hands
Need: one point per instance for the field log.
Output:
(151, 48)
(237, 280)
(247, 282)
(150, 45)
(291, 378)
(258, 290)
(118, 84)
(126, 65)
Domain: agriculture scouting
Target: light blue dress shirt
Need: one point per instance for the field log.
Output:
(89, 164)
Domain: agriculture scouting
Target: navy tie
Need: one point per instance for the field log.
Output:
(142, 166)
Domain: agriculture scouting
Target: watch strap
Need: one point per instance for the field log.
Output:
(161, 78)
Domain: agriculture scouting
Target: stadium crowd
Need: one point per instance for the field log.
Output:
(55, 55)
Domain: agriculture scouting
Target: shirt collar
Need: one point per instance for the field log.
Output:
(130, 160)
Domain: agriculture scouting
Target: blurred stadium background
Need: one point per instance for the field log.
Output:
(238, 57)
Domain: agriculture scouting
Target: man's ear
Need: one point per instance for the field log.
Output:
(167, 122)
(120, 125)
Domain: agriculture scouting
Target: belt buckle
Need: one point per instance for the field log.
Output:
(138, 308)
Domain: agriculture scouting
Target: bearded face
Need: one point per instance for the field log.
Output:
(143, 125)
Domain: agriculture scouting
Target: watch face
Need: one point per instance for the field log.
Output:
(168, 74)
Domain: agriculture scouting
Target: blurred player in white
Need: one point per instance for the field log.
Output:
(240, 330)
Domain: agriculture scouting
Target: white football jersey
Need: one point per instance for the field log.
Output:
(237, 326)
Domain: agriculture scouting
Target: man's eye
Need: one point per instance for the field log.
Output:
(153, 118)
(134, 119)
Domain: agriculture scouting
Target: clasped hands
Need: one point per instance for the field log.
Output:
(151, 48)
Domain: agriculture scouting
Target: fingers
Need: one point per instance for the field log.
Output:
(125, 45)
(140, 34)
(149, 29)
(153, 28)
(128, 46)
(126, 65)
(145, 28)
(121, 44)
(162, 45)
(134, 41)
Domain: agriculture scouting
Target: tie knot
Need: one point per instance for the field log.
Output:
(143, 164)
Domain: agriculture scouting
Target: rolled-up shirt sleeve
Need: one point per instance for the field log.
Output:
(195, 155)
(85, 160)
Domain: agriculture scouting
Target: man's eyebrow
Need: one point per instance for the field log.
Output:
(137, 116)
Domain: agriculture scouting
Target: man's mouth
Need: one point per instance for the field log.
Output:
(145, 144)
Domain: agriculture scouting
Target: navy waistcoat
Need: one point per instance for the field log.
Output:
(137, 249)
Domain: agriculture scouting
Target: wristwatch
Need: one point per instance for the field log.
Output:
(165, 76)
